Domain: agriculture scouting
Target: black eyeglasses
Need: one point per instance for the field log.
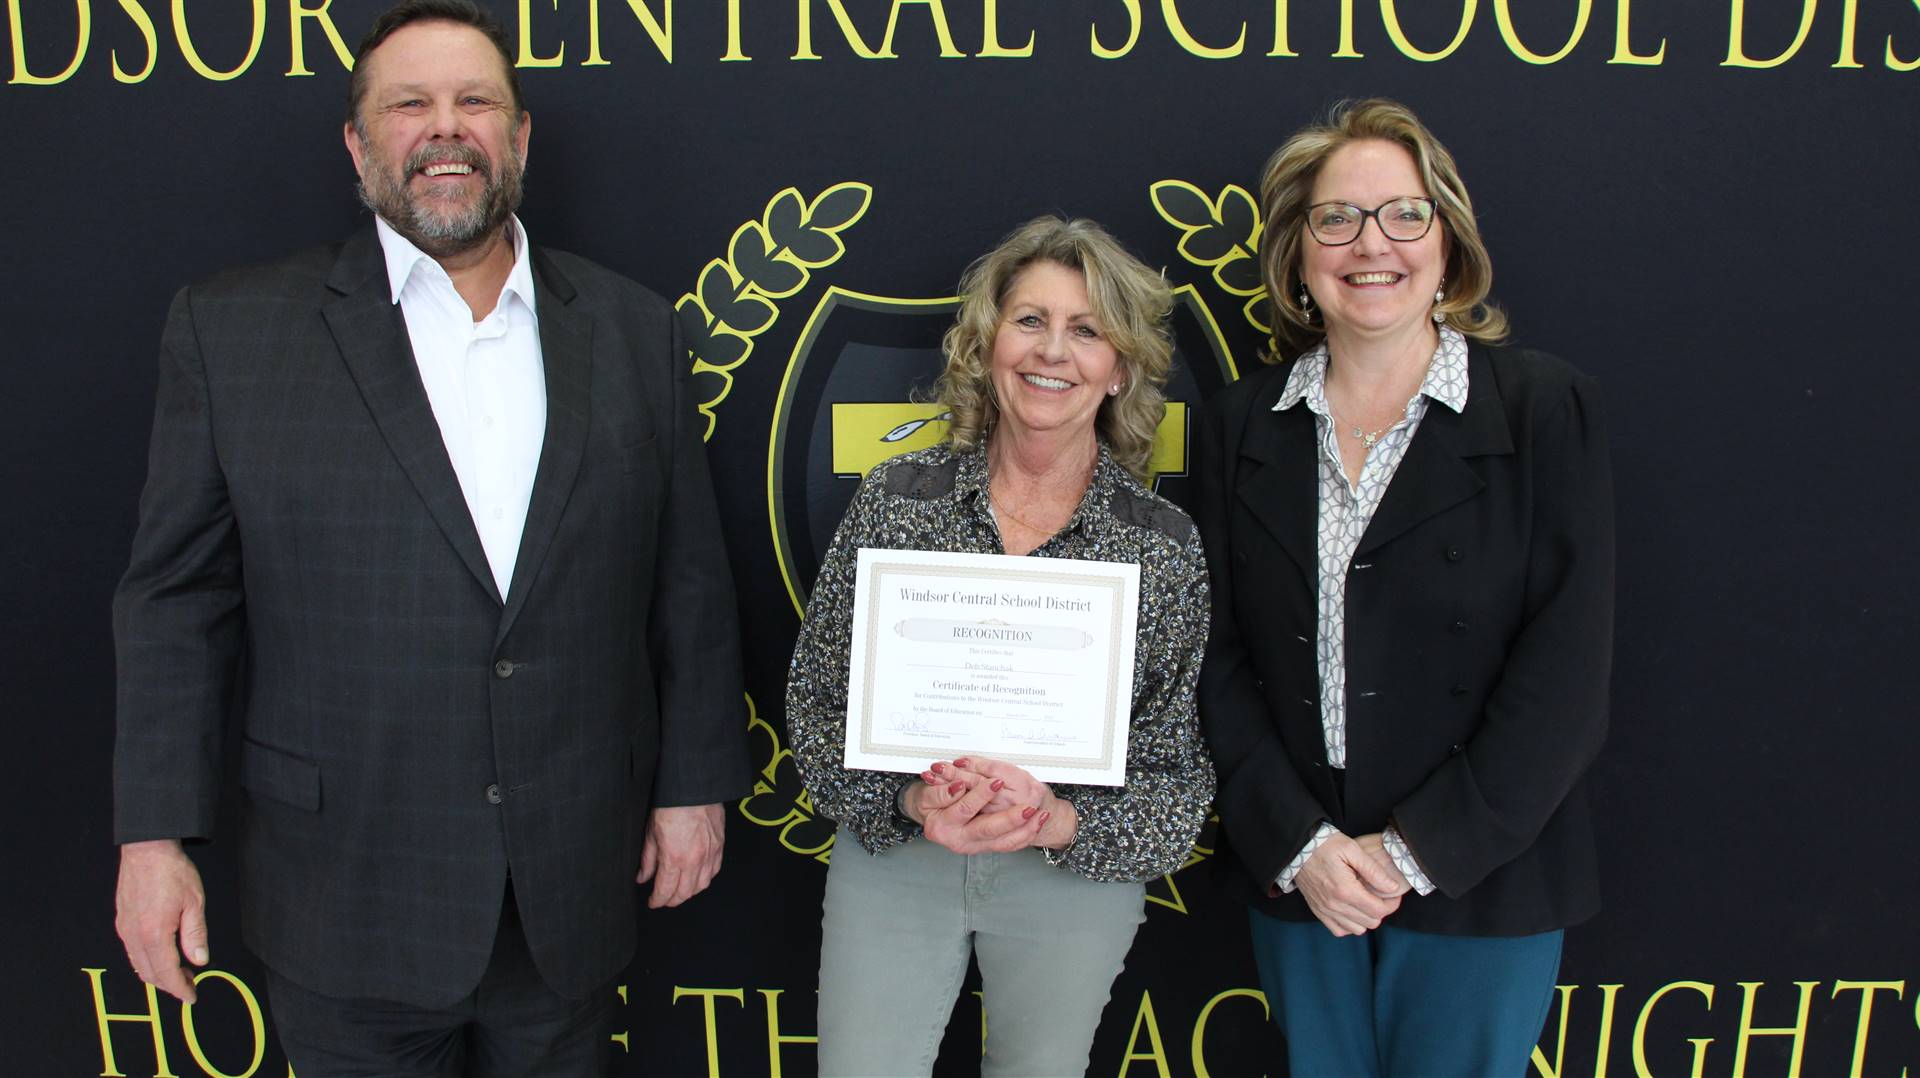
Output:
(1405, 219)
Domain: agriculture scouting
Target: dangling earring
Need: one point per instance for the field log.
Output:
(1306, 303)
(1439, 297)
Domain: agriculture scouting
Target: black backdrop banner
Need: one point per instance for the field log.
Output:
(1708, 205)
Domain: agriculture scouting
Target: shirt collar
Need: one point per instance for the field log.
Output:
(404, 259)
(1446, 380)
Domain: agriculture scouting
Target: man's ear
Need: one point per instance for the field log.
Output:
(354, 149)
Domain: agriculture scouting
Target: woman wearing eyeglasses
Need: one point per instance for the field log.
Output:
(1410, 534)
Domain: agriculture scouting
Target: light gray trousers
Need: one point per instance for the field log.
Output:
(897, 931)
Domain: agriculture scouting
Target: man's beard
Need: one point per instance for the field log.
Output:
(438, 225)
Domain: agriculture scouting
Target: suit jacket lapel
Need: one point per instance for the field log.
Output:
(566, 353)
(1278, 482)
(371, 334)
(1434, 475)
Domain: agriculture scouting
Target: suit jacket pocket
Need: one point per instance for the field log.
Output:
(270, 773)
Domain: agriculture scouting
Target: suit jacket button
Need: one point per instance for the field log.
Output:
(1459, 689)
(1453, 553)
(1459, 628)
(503, 668)
(493, 793)
(1454, 750)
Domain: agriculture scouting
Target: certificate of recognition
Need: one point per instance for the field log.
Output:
(1028, 660)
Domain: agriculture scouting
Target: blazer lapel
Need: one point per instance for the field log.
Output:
(1434, 475)
(1279, 475)
(566, 353)
(371, 334)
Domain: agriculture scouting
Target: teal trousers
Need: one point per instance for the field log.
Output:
(1394, 1003)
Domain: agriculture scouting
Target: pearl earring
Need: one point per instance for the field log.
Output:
(1439, 297)
(1306, 302)
(1113, 390)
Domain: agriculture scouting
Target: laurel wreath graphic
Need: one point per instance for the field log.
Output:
(768, 259)
(779, 798)
(1221, 234)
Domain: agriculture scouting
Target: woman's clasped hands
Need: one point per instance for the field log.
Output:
(1350, 884)
(979, 805)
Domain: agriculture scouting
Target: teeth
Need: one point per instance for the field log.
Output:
(447, 168)
(1046, 383)
(1372, 278)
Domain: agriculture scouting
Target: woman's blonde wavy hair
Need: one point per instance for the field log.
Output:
(1286, 190)
(1130, 301)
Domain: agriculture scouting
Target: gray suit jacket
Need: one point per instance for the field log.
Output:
(307, 579)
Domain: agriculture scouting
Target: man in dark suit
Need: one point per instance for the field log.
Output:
(429, 513)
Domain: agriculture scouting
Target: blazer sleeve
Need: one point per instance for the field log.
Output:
(1547, 715)
(178, 613)
(1267, 811)
(693, 635)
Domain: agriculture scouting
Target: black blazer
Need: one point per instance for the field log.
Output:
(1479, 642)
(407, 733)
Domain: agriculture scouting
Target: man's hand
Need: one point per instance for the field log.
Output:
(1347, 889)
(682, 852)
(159, 899)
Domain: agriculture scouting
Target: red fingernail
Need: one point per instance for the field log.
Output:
(1027, 813)
(962, 763)
(938, 768)
(956, 787)
(998, 784)
(1044, 817)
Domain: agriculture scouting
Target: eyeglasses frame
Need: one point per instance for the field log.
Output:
(1433, 206)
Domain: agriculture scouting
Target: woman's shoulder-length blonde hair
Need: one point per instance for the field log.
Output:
(1130, 302)
(1286, 190)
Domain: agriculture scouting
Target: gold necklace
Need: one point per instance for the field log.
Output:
(1028, 524)
(995, 501)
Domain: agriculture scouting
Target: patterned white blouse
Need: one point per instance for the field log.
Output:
(1345, 511)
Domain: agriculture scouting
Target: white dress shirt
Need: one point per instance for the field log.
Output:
(486, 383)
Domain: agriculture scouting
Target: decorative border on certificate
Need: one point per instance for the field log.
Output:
(1028, 660)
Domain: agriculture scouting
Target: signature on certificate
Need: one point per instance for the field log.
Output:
(909, 724)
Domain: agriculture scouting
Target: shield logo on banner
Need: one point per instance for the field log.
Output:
(853, 396)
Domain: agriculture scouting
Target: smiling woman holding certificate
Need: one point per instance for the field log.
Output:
(1052, 385)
